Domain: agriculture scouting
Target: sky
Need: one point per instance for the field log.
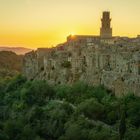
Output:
(45, 23)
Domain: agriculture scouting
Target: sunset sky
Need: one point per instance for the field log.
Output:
(44, 23)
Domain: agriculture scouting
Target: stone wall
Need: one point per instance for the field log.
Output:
(114, 63)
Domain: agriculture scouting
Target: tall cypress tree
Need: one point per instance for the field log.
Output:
(122, 126)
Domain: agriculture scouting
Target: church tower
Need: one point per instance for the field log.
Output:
(106, 30)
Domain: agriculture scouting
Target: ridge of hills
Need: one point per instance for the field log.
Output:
(10, 64)
(17, 50)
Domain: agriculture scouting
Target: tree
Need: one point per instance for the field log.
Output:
(122, 126)
(92, 109)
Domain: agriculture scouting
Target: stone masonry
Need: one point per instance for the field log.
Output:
(113, 62)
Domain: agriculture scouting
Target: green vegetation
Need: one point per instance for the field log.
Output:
(35, 110)
(10, 64)
(66, 64)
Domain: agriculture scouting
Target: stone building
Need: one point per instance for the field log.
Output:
(106, 30)
(113, 62)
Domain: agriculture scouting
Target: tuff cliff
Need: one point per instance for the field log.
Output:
(112, 62)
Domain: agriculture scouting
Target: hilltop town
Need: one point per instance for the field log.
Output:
(107, 60)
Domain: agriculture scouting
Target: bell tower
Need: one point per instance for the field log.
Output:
(106, 30)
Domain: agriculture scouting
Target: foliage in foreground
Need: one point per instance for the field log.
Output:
(34, 110)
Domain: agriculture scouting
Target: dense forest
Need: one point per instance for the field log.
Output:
(35, 110)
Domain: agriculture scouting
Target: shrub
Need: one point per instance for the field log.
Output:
(66, 64)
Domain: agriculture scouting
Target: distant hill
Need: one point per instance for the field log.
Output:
(17, 50)
(10, 63)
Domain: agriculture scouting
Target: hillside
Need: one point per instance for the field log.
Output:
(17, 50)
(35, 110)
(10, 63)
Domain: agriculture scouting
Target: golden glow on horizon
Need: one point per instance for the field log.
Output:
(72, 33)
(44, 23)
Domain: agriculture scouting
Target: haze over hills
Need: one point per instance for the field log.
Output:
(17, 50)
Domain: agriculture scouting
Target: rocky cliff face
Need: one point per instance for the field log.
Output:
(114, 63)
